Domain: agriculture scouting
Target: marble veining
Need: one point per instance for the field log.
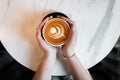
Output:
(97, 39)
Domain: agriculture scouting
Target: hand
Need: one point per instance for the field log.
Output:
(48, 49)
(69, 47)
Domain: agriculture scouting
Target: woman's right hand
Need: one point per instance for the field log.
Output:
(69, 47)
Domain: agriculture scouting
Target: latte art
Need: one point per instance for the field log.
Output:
(56, 31)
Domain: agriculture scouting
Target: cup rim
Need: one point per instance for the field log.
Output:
(45, 27)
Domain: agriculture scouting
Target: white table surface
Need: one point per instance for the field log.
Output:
(97, 22)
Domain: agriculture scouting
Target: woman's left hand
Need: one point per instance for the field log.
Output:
(48, 49)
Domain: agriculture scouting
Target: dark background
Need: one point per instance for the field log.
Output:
(109, 67)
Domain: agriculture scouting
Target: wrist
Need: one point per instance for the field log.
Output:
(68, 54)
(49, 56)
(69, 57)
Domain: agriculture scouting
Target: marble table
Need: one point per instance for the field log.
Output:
(97, 23)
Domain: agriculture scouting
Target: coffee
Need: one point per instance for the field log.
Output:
(56, 31)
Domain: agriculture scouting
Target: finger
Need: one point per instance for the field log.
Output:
(42, 23)
(69, 39)
(59, 16)
(74, 32)
(51, 17)
(68, 20)
(40, 39)
(72, 37)
(39, 29)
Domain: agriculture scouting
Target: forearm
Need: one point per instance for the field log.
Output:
(78, 71)
(44, 71)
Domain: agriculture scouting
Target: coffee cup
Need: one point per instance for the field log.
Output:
(56, 31)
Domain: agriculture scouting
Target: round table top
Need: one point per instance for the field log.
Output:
(97, 23)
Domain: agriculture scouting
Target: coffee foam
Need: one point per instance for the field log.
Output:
(56, 31)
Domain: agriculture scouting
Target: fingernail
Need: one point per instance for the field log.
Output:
(51, 17)
(59, 16)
